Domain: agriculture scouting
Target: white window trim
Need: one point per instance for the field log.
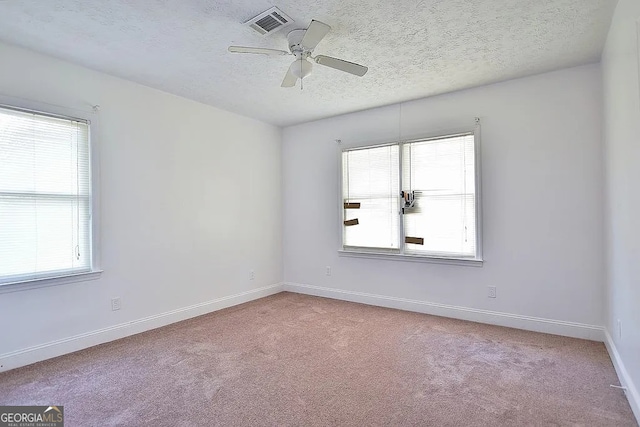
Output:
(49, 281)
(398, 255)
(90, 117)
(361, 253)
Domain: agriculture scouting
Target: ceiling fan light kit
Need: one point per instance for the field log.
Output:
(301, 68)
(301, 45)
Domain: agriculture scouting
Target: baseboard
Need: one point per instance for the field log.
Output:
(549, 326)
(625, 379)
(56, 348)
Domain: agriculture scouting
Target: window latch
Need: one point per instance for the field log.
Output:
(409, 200)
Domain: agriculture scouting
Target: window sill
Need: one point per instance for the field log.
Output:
(44, 282)
(411, 258)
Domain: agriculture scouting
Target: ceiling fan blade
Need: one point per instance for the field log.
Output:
(289, 79)
(258, 50)
(342, 65)
(314, 34)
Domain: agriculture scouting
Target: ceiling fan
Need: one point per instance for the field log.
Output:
(301, 45)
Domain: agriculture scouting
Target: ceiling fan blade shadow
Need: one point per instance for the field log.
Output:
(258, 50)
(289, 79)
(342, 65)
(314, 34)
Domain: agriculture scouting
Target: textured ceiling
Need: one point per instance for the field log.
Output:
(412, 48)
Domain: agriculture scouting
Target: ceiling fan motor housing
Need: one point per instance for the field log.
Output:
(295, 43)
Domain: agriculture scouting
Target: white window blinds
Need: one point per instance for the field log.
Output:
(431, 211)
(370, 179)
(441, 173)
(45, 197)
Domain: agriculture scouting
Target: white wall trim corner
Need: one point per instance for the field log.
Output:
(625, 380)
(27, 356)
(536, 324)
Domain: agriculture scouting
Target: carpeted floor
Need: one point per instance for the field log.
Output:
(298, 360)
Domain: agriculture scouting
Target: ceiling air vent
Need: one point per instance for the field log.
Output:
(269, 21)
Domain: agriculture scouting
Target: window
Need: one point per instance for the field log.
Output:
(417, 198)
(45, 196)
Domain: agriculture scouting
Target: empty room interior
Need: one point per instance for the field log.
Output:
(320, 213)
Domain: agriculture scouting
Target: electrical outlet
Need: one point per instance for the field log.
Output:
(328, 271)
(115, 304)
(252, 275)
(492, 292)
(619, 329)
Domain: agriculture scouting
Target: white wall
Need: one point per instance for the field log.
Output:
(174, 234)
(542, 192)
(621, 69)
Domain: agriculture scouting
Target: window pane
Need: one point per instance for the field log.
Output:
(42, 154)
(442, 174)
(371, 178)
(40, 235)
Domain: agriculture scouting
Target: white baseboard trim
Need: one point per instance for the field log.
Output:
(625, 380)
(549, 326)
(27, 356)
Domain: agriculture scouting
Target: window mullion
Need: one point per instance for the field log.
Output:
(401, 244)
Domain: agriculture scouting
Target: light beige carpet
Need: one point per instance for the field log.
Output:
(298, 360)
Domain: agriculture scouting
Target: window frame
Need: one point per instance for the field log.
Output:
(95, 271)
(400, 255)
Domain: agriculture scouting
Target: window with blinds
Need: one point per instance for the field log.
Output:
(45, 196)
(415, 198)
